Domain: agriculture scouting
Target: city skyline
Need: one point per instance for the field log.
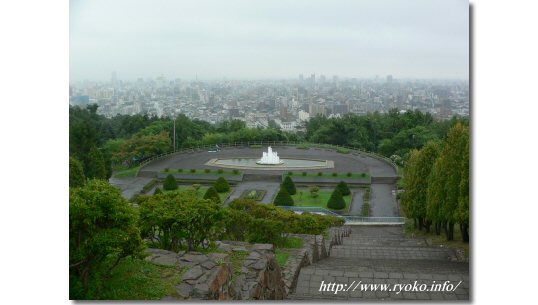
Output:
(239, 40)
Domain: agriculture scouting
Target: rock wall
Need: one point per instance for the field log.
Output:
(210, 276)
(315, 248)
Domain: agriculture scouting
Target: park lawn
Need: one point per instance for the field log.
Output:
(127, 173)
(330, 175)
(284, 252)
(321, 201)
(137, 279)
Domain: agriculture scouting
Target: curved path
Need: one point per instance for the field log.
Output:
(342, 162)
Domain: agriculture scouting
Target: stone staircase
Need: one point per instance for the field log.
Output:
(382, 255)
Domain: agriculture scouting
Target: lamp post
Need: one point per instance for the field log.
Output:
(174, 134)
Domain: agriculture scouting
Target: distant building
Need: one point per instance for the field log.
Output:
(315, 109)
(304, 116)
(389, 79)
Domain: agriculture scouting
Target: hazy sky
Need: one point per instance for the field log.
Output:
(268, 39)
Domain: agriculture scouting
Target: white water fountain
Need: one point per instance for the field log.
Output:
(269, 158)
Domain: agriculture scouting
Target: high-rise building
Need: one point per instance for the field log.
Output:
(114, 79)
(389, 79)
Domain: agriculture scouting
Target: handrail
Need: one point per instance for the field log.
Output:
(274, 143)
(348, 219)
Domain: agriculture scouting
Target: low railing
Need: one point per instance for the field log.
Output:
(267, 143)
(349, 219)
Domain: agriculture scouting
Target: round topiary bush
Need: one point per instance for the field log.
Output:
(320, 174)
(289, 185)
(220, 171)
(207, 170)
(304, 173)
(283, 198)
(336, 202)
(179, 170)
(348, 174)
(335, 174)
(193, 170)
(170, 183)
(221, 185)
(235, 171)
(290, 173)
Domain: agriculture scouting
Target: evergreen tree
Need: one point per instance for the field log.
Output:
(221, 185)
(416, 175)
(463, 200)
(336, 202)
(96, 165)
(283, 198)
(212, 194)
(170, 183)
(289, 185)
(343, 188)
(456, 141)
(76, 173)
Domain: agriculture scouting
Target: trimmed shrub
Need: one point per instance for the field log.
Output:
(212, 194)
(193, 170)
(335, 174)
(343, 188)
(314, 191)
(221, 185)
(283, 198)
(290, 173)
(336, 202)
(170, 183)
(235, 171)
(220, 171)
(166, 170)
(179, 170)
(349, 174)
(304, 173)
(289, 185)
(157, 191)
(320, 174)
(207, 170)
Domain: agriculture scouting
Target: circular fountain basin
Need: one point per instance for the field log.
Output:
(285, 163)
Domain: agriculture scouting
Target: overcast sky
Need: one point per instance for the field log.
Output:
(268, 39)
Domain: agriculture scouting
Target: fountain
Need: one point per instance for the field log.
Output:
(269, 158)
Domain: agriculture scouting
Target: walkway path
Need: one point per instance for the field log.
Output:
(271, 189)
(382, 255)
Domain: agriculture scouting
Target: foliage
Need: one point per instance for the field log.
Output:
(76, 173)
(314, 191)
(289, 185)
(247, 220)
(101, 225)
(173, 219)
(170, 183)
(212, 194)
(96, 167)
(157, 191)
(283, 198)
(343, 188)
(141, 147)
(221, 185)
(336, 202)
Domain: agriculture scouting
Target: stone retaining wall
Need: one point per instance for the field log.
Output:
(210, 276)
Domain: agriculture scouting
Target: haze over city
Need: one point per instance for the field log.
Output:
(208, 40)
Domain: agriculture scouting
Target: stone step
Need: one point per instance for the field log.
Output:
(351, 271)
(388, 241)
(396, 252)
